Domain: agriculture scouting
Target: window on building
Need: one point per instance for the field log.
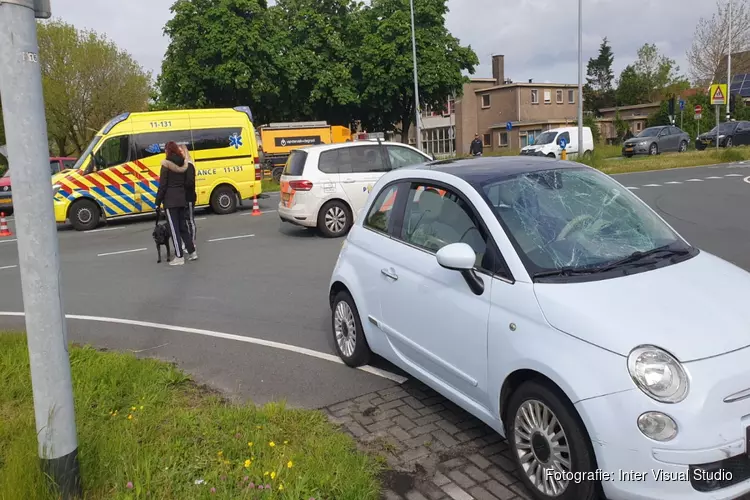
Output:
(487, 139)
(571, 96)
(450, 108)
(534, 96)
(502, 139)
(547, 97)
(439, 141)
(638, 126)
(485, 100)
(559, 96)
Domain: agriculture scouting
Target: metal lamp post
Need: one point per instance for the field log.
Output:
(580, 79)
(416, 80)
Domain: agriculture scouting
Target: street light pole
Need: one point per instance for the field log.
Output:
(416, 79)
(729, 59)
(38, 252)
(580, 79)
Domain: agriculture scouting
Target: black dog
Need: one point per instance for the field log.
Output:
(161, 237)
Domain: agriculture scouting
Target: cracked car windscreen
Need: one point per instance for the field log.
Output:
(575, 218)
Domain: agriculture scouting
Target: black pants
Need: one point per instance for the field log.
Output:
(179, 229)
(190, 219)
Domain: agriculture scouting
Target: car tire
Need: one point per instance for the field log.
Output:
(551, 155)
(84, 215)
(277, 173)
(628, 156)
(587, 155)
(682, 147)
(653, 149)
(224, 200)
(334, 219)
(7, 211)
(728, 142)
(563, 424)
(348, 335)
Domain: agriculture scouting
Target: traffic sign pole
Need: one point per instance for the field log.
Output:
(718, 110)
(38, 251)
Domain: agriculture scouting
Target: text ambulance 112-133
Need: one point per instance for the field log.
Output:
(632, 475)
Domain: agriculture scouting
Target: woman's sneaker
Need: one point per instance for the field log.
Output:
(178, 261)
(193, 256)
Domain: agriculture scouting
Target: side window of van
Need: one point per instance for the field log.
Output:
(564, 135)
(114, 151)
(151, 144)
(219, 138)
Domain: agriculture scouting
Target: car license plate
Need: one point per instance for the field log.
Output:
(629, 149)
(5, 201)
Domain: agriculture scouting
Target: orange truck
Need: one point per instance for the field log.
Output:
(278, 140)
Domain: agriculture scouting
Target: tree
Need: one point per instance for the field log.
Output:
(385, 71)
(650, 78)
(86, 80)
(709, 47)
(599, 89)
(222, 53)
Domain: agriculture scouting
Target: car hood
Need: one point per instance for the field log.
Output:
(694, 309)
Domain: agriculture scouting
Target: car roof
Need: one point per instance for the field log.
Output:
(326, 147)
(477, 171)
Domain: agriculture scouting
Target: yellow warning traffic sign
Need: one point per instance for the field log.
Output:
(718, 94)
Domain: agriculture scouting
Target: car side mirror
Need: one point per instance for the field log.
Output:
(461, 257)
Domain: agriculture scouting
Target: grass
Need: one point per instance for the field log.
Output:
(691, 158)
(146, 431)
(269, 185)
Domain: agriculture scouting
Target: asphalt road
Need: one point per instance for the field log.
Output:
(259, 280)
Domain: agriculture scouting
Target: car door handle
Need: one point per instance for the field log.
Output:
(390, 273)
(348, 181)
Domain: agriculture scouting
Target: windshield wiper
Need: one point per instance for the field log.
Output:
(634, 257)
(564, 271)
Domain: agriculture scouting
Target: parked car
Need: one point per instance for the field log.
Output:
(655, 140)
(325, 186)
(729, 134)
(56, 164)
(547, 300)
(549, 143)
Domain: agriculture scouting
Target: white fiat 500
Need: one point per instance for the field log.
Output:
(550, 302)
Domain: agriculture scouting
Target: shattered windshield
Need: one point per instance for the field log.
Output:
(545, 138)
(576, 219)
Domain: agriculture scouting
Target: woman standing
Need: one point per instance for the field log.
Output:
(172, 195)
(190, 195)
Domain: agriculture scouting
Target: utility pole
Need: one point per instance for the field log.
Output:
(38, 254)
(729, 59)
(580, 79)
(416, 79)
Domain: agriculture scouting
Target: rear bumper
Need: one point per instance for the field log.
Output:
(6, 201)
(297, 216)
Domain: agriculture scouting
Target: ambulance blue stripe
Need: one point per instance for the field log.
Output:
(112, 199)
(149, 203)
(147, 187)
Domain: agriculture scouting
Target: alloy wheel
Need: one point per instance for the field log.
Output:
(335, 219)
(542, 447)
(345, 329)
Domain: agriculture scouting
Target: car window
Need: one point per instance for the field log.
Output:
(335, 161)
(435, 217)
(295, 164)
(574, 218)
(68, 164)
(743, 126)
(365, 159)
(54, 166)
(152, 143)
(114, 151)
(379, 216)
(564, 135)
(404, 157)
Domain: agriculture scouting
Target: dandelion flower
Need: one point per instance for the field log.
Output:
(289, 464)
(286, 442)
(130, 417)
(271, 444)
(265, 473)
(250, 444)
(247, 464)
(129, 485)
(281, 487)
(273, 475)
(132, 408)
(220, 453)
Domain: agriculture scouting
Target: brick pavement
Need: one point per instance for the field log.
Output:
(435, 450)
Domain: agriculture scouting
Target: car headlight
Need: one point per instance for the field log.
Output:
(642, 143)
(722, 136)
(658, 374)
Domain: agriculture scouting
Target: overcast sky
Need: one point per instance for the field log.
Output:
(537, 37)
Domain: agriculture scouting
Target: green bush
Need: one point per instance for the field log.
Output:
(730, 155)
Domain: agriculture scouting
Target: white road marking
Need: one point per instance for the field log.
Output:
(632, 188)
(122, 252)
(714, 177)
(201, 218)
(105, 229)
(228, 336)
(8, 241)
(232, 238)
(652, 185)
(747, 179)
(694, 180)
(8, 267)
(733, 175)
(673, 182)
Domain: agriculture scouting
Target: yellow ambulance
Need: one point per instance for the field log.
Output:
(118, 173)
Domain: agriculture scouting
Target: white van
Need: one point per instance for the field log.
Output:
(325, 186)
(548, 143)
